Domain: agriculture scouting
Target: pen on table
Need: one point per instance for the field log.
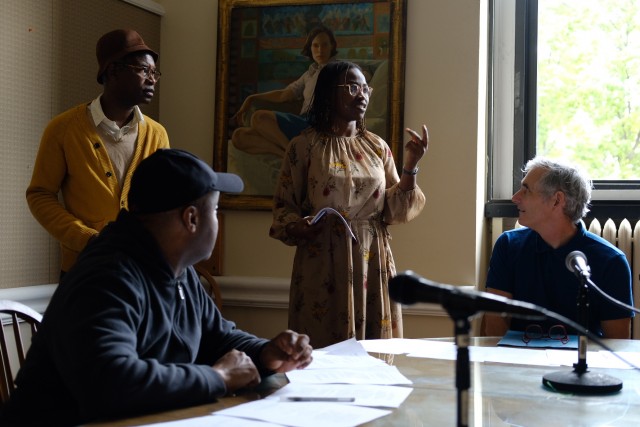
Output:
(319, 399)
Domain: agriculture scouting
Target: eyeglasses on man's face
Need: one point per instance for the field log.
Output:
(354, 89)
(555, 332)
(145, 71)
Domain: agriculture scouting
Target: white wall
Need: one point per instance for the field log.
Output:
(444, 89)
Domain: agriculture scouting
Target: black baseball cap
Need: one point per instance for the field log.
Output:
(171, 178)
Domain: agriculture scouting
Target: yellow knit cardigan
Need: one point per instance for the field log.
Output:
(73, 161)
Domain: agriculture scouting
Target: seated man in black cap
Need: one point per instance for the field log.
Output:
(130, 329)
(89, 153)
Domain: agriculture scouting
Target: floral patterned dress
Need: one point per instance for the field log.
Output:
(339, 288)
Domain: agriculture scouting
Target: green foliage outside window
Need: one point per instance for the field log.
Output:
(588, 85)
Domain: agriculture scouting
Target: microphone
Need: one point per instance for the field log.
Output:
(576, 263)
(409, 288)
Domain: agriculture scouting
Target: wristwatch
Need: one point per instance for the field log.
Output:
(410, 172)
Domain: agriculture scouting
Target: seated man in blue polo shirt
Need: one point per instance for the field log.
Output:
(528, 264)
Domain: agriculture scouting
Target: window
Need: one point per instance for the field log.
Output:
(566, 84)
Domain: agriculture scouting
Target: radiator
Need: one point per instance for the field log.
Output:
(626, 237)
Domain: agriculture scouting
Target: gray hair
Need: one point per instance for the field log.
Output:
(570, 180)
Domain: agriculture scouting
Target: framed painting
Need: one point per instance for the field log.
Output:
(260, 44)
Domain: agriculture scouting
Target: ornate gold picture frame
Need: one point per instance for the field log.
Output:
(259, 44)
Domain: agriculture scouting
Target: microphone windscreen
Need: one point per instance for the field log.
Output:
(410, 288)
(569, 261)
(400, 289)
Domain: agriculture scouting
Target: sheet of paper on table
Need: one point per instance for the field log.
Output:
(347, 362)
(381, 396)
(305, 414)
(446, 350)
(214, 421)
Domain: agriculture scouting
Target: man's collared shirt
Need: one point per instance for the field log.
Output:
(119, 141)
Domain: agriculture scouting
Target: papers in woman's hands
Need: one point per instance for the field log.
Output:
(322, 212)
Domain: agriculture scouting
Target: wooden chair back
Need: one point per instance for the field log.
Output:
(12, 315)
(209, 282)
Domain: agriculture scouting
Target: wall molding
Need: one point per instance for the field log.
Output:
(237, 291)
(273, 292)
(37, 297)
(258, 292)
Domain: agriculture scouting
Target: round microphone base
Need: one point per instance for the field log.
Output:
(585, 383)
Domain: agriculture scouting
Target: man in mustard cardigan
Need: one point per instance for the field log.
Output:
(89, 153)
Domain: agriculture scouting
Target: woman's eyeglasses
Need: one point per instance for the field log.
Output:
(145, 71)
(355, 88)
(555, 332)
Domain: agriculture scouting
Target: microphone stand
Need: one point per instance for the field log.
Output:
(580, 380)
(409, 288)
(462, 326)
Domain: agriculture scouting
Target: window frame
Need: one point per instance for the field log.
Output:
(610, 199)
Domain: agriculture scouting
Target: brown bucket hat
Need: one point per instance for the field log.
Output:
(116, 44)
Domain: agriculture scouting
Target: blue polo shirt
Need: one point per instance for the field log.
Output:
(528, 268)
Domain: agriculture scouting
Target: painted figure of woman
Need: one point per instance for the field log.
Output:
(270, 131)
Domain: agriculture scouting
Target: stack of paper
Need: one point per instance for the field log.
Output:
(344, 386)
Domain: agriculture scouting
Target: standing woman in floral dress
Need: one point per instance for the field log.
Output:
(339, 286)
